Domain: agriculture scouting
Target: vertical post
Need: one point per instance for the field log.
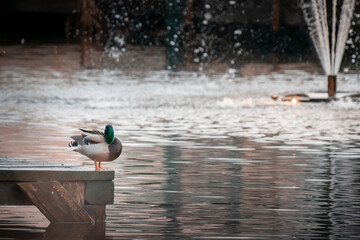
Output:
(189, 18)
(172, 21)
(275, 28)
(189, 32)
(91, 24)
(67, 29)
(276, 16)
(332, 86)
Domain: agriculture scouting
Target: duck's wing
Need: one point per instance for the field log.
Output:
(92, 136)
(87, 131)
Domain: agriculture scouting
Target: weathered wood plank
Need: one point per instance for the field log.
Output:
(76, 190)
(14, 162)
(55, 202)
(99, 192)
(39, 174)
(30, 170)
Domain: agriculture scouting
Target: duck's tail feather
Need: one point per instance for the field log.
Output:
(73, 145)
(78, 139)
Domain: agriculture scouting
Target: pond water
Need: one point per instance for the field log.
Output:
(205, 157)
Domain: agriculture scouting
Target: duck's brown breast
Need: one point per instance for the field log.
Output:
(115, 149)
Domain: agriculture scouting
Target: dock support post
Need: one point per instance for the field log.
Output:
(55, 202)
(63, 193)
(332, 86)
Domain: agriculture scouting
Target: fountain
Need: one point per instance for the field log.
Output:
(329, 42)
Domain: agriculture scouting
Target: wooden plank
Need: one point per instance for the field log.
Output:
(76, 190)
(10, 162)
(38, 174)
(99, 192)
(55, 202)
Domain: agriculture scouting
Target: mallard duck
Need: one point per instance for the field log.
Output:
(96, 145)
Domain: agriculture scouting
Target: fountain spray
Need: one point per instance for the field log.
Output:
(330, 52)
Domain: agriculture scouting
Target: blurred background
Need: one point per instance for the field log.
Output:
(174, 34)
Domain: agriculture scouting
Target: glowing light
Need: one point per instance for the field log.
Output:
(294, 100)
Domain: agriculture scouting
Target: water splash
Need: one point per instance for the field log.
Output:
(316, 17)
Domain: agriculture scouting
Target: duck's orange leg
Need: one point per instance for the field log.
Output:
(98, 167)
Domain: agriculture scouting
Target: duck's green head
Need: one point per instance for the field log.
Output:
(109, 134)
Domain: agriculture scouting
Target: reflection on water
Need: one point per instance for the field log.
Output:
(204, 157)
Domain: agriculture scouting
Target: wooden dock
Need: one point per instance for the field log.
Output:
(64, 193)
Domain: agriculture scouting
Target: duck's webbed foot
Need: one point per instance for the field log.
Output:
(98, 166)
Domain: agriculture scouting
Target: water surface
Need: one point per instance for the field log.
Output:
(205, 157)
